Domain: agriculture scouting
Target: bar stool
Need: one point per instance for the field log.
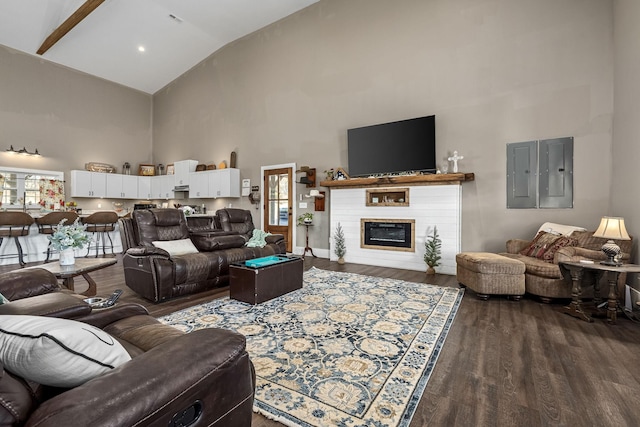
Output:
(101, 224)
(15, 224)
(52, 219)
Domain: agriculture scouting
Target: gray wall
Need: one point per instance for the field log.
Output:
(626, 126)
(492, 71)
(72, 118)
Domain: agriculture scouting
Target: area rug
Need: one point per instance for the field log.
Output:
(345, 350)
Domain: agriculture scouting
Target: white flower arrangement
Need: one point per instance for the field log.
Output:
(188, 210)
(69, 236)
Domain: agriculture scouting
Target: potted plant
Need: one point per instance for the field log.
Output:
(432, 248)
(340, 249)
(66, 238)
(305, 218)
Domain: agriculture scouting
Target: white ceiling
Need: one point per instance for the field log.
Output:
(105, 43)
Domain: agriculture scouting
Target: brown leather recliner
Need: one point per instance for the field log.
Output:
(172, 378)
(157, 276)
(239, 220)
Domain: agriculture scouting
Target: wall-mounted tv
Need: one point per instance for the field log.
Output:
(396, 147)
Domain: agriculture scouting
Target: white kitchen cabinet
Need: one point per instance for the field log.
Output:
(214, 183)
(121, 186)
(162, 187)
(199, 184)
(183, 170)
(88, 184)
(144, 187)
(225, 183)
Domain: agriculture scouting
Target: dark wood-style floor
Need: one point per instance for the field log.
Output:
(504, 363)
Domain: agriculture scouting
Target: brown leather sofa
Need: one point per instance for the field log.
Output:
(173, 378)
(157, 276)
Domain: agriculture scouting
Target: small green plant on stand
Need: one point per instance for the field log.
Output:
(305, 218)
(432, 247)
(338, 239)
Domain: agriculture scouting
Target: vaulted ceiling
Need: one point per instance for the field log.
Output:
(142, 44)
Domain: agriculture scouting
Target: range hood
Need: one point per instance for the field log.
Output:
(180, 188)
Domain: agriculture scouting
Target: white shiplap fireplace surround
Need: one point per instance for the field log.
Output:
(433, 201)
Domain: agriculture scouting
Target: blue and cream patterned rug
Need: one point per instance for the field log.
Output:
(345, 350)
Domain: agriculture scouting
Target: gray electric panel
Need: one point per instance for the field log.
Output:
(556, 173)
(522, 164)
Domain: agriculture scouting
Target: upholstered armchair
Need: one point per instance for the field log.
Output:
(37, 292)
(167, 377)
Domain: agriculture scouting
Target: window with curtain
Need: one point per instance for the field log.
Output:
(31, 188)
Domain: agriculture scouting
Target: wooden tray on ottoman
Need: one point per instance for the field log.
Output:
(255, 285)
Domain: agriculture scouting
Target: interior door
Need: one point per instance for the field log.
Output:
(278, 204)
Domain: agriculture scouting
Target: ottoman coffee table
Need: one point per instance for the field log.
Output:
(490, 274)
(261, 279)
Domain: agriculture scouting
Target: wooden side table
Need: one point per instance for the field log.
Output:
(576, 271)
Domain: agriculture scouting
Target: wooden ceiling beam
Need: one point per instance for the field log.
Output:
(75, 18)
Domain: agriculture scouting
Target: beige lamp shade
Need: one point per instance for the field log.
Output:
(612, 228)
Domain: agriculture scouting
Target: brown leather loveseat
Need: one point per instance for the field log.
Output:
(203, 378)
(159, 274)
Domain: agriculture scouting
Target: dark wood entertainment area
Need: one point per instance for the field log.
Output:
(386, 181)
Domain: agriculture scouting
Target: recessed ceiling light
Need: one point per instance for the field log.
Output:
(141, 48)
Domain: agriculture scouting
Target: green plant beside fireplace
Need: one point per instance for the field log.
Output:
(340, 247)
(432, 251)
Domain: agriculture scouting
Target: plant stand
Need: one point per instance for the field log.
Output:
(307, 248)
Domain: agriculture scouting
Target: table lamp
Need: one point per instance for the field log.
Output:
(611, 228)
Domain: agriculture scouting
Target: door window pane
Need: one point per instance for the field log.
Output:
(279, 199)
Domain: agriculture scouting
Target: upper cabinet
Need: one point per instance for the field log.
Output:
(226, 183)
(183, 170)
(144, 187)
(214, 183)
(88, 184)
(121, 186)
(202, 185)
(162, 187)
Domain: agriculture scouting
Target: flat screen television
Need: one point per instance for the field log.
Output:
(396, 147)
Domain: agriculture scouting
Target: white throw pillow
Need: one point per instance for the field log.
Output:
(551, 227)
(177, 247)
(57, 352)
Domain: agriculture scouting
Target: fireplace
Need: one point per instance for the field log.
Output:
(388, 234)
(429, 206)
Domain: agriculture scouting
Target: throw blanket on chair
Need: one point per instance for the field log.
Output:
(257, 240)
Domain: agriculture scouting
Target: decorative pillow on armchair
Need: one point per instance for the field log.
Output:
(540, 244)
(561, 242)
(57, 352)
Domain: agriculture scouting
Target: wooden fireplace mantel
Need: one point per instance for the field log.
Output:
(433, 179)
